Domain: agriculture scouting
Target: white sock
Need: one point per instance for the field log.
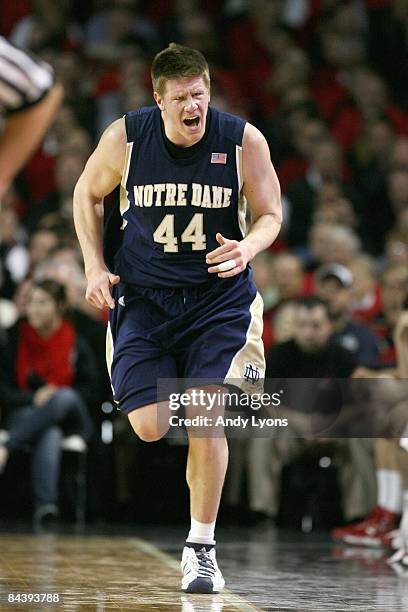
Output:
(389, 484)
(201, 533)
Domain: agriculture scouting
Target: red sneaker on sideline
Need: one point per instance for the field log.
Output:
(369, 532)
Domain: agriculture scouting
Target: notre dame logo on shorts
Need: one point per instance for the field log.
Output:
(251, 373)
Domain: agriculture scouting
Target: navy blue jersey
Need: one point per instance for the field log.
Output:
(172, 208)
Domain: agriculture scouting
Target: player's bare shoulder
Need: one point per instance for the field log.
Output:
(255, 153)
(103, 170)
(254, 146)
(112, 145)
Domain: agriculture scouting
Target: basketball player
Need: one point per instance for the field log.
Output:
(29, 99)
(183, 302)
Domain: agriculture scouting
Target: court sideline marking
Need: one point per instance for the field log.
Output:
(228, 596)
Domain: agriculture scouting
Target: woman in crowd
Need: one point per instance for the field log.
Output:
(48, 378)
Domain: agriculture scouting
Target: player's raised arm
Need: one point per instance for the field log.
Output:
(102, 173)
(262, 190)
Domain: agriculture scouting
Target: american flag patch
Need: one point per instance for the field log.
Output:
(218, 158)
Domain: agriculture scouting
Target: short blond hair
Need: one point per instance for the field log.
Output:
(178, 61)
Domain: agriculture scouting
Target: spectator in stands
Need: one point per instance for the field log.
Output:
(262, 266)
(398, 191)
(107, 30)
(288, 281)
(333, 207)
(47, 377)
(14, 260)
(331, 243)
(399, 154)
(318, 247)
(325, 163)
(63, 266)
(366, 291)
(391, 461)
(394, 292)
(386, 198)
(309, 354)
(334, 284)
(371, 155)
(370, 101)
(303, 139)
(42, 243)
(284, 321)
(55, 210)
(396, 244)
(288, 276)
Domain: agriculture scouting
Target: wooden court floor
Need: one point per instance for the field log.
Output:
(97, 573)
(265, 570)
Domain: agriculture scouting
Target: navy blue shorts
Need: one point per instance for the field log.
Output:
(210, 331)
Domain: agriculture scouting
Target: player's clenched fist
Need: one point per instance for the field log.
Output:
(98, 291)
(229, 259)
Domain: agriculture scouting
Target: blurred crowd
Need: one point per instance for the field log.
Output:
(324, 80)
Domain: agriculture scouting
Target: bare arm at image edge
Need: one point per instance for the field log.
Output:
(22, 134)
(102, 173)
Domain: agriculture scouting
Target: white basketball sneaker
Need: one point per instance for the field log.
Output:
(201, 573)
(399, 560)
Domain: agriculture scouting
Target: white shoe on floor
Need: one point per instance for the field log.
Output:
(201, 573)
(399, 560)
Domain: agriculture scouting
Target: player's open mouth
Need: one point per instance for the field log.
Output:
(191, 121)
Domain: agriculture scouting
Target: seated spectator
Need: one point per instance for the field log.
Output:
(341, 45)
(288, 277)
(398, 192)
(384, 517)
(371, 155)
(309, 354)
(284, 321)
(304, 139)
(55, 210)
(288, 281)
(387, 208)
(394, 292)
(331, 243)
(371, 162)
(47, 378)
(399, 154)
(333, 207)
(366, 291)
(63, 266)
(334, 284)
(396, 245)
(325, 163)
(391, 464)
(262, 266)
(41, 244)
(14, 260)
(370, 99)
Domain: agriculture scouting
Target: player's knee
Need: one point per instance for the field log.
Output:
(146, 426)
(147, 433)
